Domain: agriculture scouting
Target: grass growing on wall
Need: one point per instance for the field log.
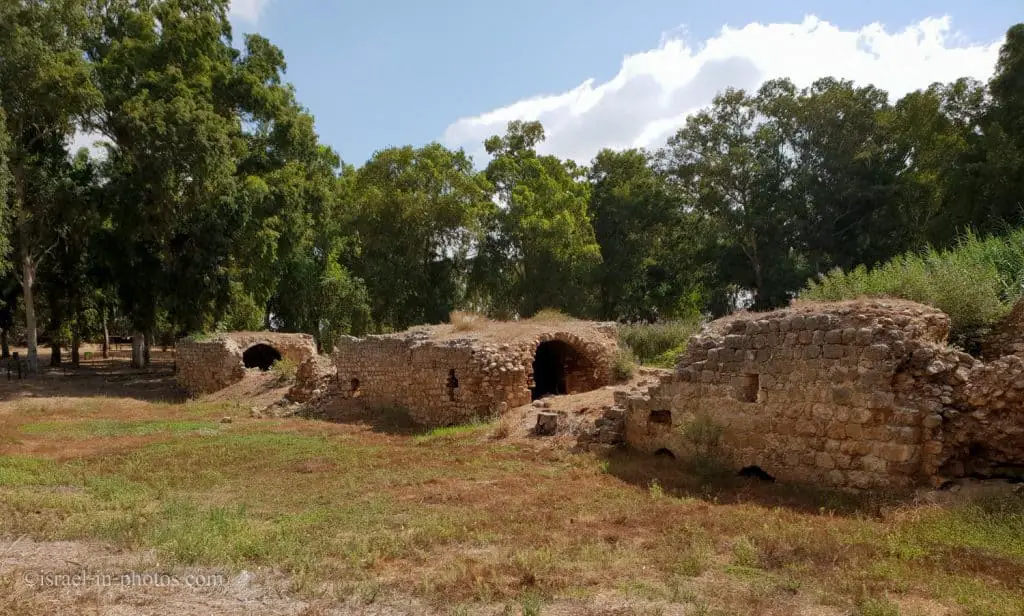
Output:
(975, 283)
(657, 344)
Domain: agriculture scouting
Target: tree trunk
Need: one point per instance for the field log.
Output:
(76, 342)
(106, 336)
(147, 347)
(138, 342)
(5, 347)
(28, 281)
(55, 357)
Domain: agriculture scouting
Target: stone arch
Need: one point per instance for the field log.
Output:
(561, 367)
(260, 356)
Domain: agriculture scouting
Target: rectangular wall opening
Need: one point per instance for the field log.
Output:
(745, 387)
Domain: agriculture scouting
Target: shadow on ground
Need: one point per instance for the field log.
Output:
(677, 478)
(394, 421)
(98, 377)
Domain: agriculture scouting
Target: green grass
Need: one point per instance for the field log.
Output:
(113, 428)
(657, 344)
(456, 519)
(475, 427)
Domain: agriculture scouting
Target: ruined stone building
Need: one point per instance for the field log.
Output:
(444, 376)
(212, 363)
(861, 394)
(864, 394)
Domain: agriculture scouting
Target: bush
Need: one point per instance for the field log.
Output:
(657, 344)
(975, 283)
(623, 365)
(551, 315)
(285, 369)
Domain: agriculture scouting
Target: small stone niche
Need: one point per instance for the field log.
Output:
(745, 387)
(661, 417)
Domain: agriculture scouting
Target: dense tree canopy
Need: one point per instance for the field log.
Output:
(214, 204)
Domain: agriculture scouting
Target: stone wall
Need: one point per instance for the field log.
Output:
(210, 364)
(859, 394)
(444, 378)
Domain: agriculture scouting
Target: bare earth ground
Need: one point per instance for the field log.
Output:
(106, 471)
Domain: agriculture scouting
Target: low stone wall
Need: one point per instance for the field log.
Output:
(857, 394)
(213, 363)
(447, 380)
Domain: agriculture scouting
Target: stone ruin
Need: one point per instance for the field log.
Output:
(863, 394)
(210, 364)
(443, 376)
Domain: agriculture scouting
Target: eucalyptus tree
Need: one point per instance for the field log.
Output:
(539, 249)
(164, 69)
(729, 164)
(649, 242)
(45, 91)
(418, 221)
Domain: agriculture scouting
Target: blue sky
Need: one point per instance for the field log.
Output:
(412, 71)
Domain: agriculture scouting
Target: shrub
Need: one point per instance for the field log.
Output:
(551, 315)
(709, 460)
(623, 365)
(657, 344)
(465, 321)
(285, 369)
(975, 283)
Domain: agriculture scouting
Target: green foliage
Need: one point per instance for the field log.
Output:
(623, 365)
(216, 206)
(550, 315)
(284, 369)
(657, 344)
(420, 215)
(649, 242)
(539, 249)
(708, 459)
(975, 282)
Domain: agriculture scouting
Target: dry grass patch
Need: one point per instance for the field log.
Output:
(350, 511)
(466, 321)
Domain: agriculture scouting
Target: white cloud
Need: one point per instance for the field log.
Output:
(655, 90)
(248, 11)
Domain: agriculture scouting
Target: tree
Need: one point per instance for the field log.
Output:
(165, 69)
(731, 165)
(847, 178)
(5, 184)
(649, 243)
(418, 220)
(539, 249)
(45, 90)
(932, 132)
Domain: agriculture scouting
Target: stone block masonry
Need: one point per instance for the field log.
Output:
(862, 394)
(443, 377)
(212, 363)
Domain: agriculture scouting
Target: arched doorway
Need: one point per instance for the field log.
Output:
(260, 356)
(554, 364)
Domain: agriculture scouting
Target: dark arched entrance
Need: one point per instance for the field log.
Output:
(552, 363)
(260, 356)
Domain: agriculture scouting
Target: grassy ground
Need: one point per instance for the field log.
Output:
(461, 520)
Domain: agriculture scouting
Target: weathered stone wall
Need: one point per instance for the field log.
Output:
(211, 364)
(1007, 337)
(206, 366)
(444, 381)
(856, 394)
